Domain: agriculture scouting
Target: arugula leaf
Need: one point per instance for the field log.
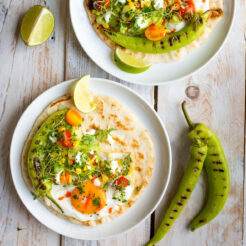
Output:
(103, 134)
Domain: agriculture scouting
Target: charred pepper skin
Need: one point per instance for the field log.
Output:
(217, 173)
(35, 158)
(169, 43)
(198, 152)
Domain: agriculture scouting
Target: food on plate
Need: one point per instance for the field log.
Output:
(198, 153)
(128, 63)
(88, 167)
(37, 25)
(206, 149)
(154, 30)
(217, 173)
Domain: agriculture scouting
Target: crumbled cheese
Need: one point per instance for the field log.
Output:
(97, 182)
(107, 17)
(158, 4)
(90, 132)
(176, 26)
(114, 166)
(141, 22)
(77, 158)
(52, 139)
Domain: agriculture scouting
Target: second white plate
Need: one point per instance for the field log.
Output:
(101, 54)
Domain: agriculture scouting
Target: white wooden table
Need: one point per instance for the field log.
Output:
(215, 96)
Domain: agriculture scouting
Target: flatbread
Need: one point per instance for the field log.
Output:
(216, 5)
(130, 137)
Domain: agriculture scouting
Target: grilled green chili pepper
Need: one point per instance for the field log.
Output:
(217, 171)
(169, 43)
(36, 158)
(198, 152)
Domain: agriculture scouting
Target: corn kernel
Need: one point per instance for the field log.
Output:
(131, 4)
(90, 177)
(147, 3)
(130, 171)
(102, 164)
(200, 11)
(119, 161)
(75, 143)
(62, 160)
(105, 25)
(78, 170)
(104, 178)
(70, 161)
(61, 128)
(70, 179)
(64, 152)
(53, 155)
(85, 168)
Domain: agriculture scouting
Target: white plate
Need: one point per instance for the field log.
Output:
(101, 54)
(148, 200)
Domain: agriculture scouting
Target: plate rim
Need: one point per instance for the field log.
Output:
(145, 102)
(232, 21)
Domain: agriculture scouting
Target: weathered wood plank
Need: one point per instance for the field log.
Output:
(216, 97)
(25, 73)
(77, 64)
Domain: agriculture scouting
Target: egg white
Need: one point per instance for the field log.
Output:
(60, 190)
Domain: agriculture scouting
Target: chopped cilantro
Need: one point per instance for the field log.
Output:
(96, 202)
(75, 197)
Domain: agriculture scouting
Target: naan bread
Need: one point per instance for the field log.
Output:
(130, 137)
(216, 5)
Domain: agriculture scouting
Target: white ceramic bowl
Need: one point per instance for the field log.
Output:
(148, 200)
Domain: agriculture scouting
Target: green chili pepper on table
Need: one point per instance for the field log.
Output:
(217, 171)
(36, 159)
(198, 152)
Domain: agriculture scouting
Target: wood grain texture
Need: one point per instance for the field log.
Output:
(215, 96)
(77, 64)
(25, 73)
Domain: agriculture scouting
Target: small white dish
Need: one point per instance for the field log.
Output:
(160, 73)
(147, 202)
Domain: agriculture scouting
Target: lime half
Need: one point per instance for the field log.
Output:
(37, 25)
(128, 63)
(81, 95)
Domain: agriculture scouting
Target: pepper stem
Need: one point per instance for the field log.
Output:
(187, 117)
(53, 200)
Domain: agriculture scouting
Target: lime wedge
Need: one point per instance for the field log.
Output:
(37, 25)
(81, 95)
(129, 63)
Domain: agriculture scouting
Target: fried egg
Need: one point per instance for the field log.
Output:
(91, 202)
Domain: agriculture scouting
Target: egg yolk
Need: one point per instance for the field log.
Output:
(89, 199)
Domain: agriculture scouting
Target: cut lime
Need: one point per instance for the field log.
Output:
(81, 95)
(37, 25)
(128, 63)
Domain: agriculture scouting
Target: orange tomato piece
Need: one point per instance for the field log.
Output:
(155, 33)
(90, 200)
(73, 117)
(64, 178)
